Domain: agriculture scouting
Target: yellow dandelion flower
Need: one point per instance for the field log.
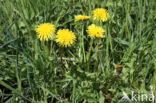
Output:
(65, 37)
(81, 17)
(95, 31)
(45, 31)
(100, 14)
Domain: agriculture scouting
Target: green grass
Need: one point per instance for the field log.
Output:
(29, 74)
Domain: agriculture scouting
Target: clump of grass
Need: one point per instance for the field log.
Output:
(88, 69)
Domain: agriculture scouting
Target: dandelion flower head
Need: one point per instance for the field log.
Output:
(100, 14)
(95, 31)
(65, 37)
(81, 17)
(45, 31)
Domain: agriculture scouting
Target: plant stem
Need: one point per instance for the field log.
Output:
(48, 48)
(97, 48)
(17, 66)
(83, 47)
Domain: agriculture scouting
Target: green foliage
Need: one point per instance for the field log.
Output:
(38, 72)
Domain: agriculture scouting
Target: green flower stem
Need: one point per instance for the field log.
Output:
(88, 54)
(61, 54)
(61, 49)
(83, 47)
(97, 48)
(48, 47)
(90, 49)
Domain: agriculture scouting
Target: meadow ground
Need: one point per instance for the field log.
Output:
(90, 69)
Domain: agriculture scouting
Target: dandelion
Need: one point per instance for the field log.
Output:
(95, 31)
(65, 37)
(45, 31)
(81, 17)
(100, 14)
